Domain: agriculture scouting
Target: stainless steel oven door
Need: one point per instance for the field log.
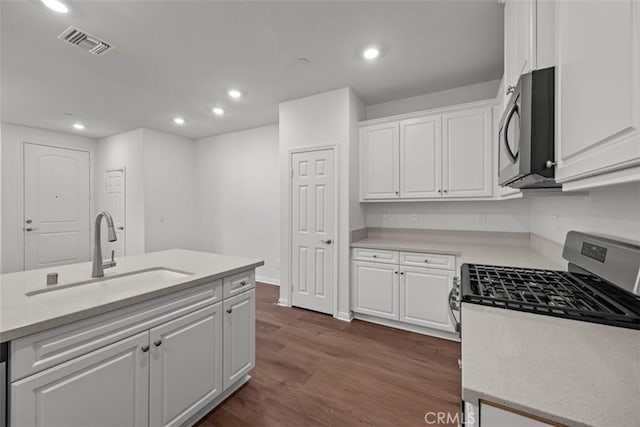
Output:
(509, 142)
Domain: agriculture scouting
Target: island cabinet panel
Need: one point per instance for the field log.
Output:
(239, 336)
(186, 366)
(43, 350)
(107, 387)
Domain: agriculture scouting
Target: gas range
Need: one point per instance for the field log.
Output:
(601, 285)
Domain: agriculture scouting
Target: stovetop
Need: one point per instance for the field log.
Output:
(554, 293)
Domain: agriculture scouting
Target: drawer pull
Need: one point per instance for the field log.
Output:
(375, 256)
(145, 348)
(243, 283)
(426, 260)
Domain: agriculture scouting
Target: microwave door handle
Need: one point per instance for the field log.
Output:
(505, 141)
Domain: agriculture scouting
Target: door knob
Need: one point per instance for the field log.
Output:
(328, 241)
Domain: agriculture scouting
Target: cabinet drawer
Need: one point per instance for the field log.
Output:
(447, 262)
(375, 255)
(238, 283)
(43, 350)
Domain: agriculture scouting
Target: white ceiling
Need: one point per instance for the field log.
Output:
(180, 57)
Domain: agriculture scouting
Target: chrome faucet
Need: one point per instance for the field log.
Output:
(98, 264)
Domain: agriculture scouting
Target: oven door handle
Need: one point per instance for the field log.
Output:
(454, 303)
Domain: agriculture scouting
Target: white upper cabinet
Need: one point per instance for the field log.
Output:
(598, 92)
(519, 41)
(466, 148)
(420, 154)
(379, 152)
(446, 154)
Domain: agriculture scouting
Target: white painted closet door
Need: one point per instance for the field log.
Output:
(312, 221)
(421, 157)
(56, 206)
(114, 203)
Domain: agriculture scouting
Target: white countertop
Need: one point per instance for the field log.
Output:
(22, 315)
(569, 371)
(494, 254)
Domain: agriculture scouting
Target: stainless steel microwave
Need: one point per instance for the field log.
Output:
(526, 136)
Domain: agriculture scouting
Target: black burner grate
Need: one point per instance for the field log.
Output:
(555, 293)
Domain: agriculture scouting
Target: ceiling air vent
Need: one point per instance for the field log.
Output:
(86, 41)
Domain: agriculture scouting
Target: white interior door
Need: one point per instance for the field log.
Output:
(114, 203)
(56, 206)
(312, 230)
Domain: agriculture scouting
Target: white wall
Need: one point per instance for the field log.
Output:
(125, 149)
(169, 191)
(238, 194)
(315, 121)
(459, 95)
(13, 137)
(609, 210)
(503, 215)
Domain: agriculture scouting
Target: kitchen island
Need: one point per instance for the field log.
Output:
(160, 340)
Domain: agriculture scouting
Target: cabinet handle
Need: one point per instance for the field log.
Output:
(375, 256)
(157, 343)
(395, 272)
(243, 283)
(402, 273)
(440, 191)
(510, 89)
(230, 310)
(426, 260)
(446, 191)
(397, 192)
(145, 348)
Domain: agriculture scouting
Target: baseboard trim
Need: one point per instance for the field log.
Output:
(217, 401)
(451, 336)
(268, 280)
(345, 317)
(283, 303)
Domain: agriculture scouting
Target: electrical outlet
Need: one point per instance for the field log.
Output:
(482, 217)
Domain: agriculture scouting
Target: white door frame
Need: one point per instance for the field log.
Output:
(336, 223)
(21, 187)
(122, 169)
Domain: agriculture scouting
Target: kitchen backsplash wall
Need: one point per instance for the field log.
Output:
(506, 215)
(611, 210)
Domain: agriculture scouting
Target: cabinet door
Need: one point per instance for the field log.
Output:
(597, 87)
(519, 40)
(107, 387)
(379, 161)
(467, 153)
(239, 337)
(186, 366)
(424, 297)
(421, 157)
(375, 289)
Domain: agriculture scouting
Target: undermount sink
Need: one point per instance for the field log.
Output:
(154, 274)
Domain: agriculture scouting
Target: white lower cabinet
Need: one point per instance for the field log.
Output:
(239, 336)
(424, 294)
(107, 387)
(403, 293)
(186, 366)
(179, 365)
(375, 289)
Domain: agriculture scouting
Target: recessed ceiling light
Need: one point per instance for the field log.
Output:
(56, 6)
(371, 53)
(218, 111)
(234, 93)
(178, 120)
(78, 126)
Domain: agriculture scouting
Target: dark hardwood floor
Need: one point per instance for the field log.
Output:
(314, 370)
